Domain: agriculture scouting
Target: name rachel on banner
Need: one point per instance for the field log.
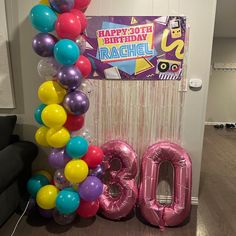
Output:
(136, 47)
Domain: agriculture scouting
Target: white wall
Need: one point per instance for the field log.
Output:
(200, 15)
(6, 95)
(222, 86)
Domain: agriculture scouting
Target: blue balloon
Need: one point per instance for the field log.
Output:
(35, 183)
(67, 202)
(38, 113)
(66, 52)
(43, 18)
(62, 6)
(77, 147)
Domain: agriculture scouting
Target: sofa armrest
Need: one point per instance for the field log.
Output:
(14, 138)
(14, 159)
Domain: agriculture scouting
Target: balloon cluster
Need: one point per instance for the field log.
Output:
(76, 186)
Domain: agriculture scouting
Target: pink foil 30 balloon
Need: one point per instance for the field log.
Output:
(123, 177)
(154, 212)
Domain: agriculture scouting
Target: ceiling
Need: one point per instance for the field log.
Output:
(225, 25)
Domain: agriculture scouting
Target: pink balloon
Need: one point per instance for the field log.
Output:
(81, 4)
(154, 212)
(68, 26)
(81, 17)
(122, 176)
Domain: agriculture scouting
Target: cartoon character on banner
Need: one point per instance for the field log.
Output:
(168, 69)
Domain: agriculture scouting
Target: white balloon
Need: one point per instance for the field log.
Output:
(48, 68)
(81, 42)
(85, 133)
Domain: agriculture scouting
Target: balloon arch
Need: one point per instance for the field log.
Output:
(78, 185)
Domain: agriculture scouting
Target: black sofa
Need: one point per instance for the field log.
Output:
(16, 158)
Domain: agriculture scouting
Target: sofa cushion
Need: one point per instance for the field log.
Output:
(15, 159)
(7, 125)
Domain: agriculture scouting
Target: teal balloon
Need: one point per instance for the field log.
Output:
(67, 201)
(38, 113)
(43, 18)
(66, 52)
(77, 147)
(35, 183)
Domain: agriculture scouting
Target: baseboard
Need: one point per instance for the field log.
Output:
(219, 122)
(167, 199)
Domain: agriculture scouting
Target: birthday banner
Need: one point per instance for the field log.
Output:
(136, 47)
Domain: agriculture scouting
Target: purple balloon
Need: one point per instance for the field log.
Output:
(97, 172)
(45, 213)
(90, 189)
(43, 44)
(62, 6)
(58, 158)
(69, 77)
(76, 103)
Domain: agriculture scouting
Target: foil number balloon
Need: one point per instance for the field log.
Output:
(116, 207)
(154, 212)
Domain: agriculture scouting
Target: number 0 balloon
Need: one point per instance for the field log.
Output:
(152, 210)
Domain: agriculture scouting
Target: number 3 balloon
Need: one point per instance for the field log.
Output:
(124, 178)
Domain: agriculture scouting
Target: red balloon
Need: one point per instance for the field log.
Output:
(80, 15)
(82, 4)
(52, 182)
(88, 209)
(84, 65)
(74, 123)
(93, 157)
(68, 26)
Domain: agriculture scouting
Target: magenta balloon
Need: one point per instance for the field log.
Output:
(69, 77)
(153, 211)
(58, 158)
(43, 44)
(90, 189)
(122, 176)
(76, 103)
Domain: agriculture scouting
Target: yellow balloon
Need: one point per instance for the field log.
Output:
(44, 173)
(46, 197)
(44, 2)
(54, 116)
(58, 137)
(76, 171)
(50, 92)
(40, 136)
